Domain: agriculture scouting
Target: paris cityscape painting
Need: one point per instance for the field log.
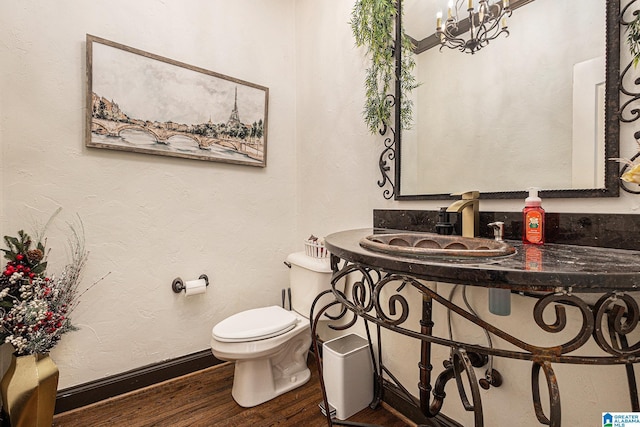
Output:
(145, 103)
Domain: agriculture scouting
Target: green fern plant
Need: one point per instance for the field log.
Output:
(373, 26)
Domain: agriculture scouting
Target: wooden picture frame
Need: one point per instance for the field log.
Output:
(145, 103)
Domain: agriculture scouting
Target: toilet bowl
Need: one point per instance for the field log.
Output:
(269, 345)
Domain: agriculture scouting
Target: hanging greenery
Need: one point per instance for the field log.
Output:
(373, 24)
(633, 39)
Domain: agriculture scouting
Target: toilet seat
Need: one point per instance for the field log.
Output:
(255, 324)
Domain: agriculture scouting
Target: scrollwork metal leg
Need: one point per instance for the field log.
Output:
(631, 381)
(462, 363)
(426, 328)
(378, 380)
(554, 394)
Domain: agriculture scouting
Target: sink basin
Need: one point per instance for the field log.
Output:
(431, 244)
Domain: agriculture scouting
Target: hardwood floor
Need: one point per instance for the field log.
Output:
(203, 399)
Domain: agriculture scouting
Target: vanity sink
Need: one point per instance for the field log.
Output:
(420, 245)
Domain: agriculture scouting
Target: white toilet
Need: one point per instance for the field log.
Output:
(270, 345)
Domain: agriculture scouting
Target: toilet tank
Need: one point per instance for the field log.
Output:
(307, 278)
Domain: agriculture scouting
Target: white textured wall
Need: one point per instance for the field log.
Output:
(149, 219)
(337, 158)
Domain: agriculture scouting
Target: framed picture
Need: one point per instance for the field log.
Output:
(141, 102)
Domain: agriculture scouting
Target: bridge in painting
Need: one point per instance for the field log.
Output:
(162, 136)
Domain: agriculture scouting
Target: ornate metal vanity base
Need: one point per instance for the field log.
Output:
(376, 297)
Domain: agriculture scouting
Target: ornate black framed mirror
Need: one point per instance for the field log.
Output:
(539, 108)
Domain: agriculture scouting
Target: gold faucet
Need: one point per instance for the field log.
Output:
(469, 207)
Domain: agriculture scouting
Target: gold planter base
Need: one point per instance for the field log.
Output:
(29, 391)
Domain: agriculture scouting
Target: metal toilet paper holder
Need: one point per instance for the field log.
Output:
(178, 285)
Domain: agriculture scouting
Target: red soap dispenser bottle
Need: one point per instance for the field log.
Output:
(533, 219)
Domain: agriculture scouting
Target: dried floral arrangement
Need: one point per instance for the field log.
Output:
(35, 307)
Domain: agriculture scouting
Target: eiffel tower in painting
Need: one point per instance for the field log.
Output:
(234, 118)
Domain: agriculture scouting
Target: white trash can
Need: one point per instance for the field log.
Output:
(348, 374)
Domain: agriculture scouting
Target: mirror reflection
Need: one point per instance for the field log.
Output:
(526, 111)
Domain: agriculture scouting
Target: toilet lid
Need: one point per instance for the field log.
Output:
(255, 324)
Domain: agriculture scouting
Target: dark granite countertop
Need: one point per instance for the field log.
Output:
(531, 268)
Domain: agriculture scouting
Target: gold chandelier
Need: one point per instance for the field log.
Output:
(483, 25)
